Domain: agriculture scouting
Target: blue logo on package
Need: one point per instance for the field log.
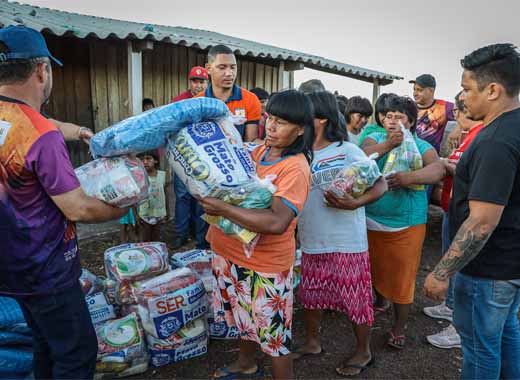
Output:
(205, 132)
(160, 359)
(169, 324)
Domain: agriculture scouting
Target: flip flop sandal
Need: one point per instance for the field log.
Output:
(361, 368)
(259, 374)
(378, 310)
(307, 354)
(396, 341)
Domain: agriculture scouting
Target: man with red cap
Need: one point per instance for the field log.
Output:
(198, 82)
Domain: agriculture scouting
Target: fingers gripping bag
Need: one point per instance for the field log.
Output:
(188, 342)
(356, 178)
(136, 261)
(149, 130)
(404, 158)
(168, 302)
(119, 181)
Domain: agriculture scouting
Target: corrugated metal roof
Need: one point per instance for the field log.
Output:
(82, 26)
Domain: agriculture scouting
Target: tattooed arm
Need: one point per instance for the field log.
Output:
(471, 237)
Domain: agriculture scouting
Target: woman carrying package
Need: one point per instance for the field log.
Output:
(397, 222)
(256, 293)
(333, 237)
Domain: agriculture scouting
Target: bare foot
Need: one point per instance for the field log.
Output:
(355, 365)
(235, 367)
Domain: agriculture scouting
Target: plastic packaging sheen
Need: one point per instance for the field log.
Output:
(136, 261)
(119, 181)
(198, 261)
(404, 158)
(149, 130)
(356, 178)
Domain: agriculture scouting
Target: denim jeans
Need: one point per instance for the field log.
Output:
(446, 242)
(486, 319)
(64, 340)
(187, 210)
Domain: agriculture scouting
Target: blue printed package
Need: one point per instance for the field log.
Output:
(221, 330)
(149, 130)
(190, 341)
(100, 310)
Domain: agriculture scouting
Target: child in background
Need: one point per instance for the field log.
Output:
(154, 211)
(128, 229)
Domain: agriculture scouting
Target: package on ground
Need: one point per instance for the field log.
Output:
(168, 302)
(121, 348)
(356, 178)
(119, 181)
(150, 129)
(188, 342)
(136, 261)
(15, 341)
(90, 283)
(99, 308)
(221, 330)
(199, 261)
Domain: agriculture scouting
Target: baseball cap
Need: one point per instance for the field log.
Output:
(425, 80)
(24, 43)
(198, 72)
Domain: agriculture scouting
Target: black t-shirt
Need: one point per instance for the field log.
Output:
(487, 172)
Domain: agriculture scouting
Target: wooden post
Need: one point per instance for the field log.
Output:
(281, 70)
(375, 95)
(135, 80)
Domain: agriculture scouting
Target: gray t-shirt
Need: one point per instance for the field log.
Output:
(323, 229)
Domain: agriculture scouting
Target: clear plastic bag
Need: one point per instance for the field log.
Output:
(356, 178)
(149, 130)
(136, 261)
(119, 181)
(199, 261)
(404, 158)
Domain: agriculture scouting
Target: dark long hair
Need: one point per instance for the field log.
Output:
(381, 106)
(295, 107)
(326, 107)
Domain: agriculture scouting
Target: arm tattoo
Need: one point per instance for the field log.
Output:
(468, 242)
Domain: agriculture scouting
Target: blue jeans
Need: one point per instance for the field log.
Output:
(64, 340)
(485, 317)
(187, 210)
(446, 242)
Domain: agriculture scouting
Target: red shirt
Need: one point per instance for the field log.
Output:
(454, 159)
(184, 95)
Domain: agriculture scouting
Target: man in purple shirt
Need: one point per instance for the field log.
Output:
(40, 200)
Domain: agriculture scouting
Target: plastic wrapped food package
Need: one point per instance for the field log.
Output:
(124, 336)
(90, 283)
(149, 130)
(198, 261)
(99, 308)
(404, 158)
(136, 261)
(177, 298)
(119, 181)
(356, 178)
(188, 342)
(221, 330)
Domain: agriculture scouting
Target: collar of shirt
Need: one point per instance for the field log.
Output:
(235, 95)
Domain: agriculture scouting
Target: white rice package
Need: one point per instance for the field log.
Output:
(199, 261)
(119, 181)
(188, 342)
(136, 261)
(90, 283)
(168, 302)
(100, 310)
(210, 159)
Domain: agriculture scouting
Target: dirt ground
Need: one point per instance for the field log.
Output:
(418, 360)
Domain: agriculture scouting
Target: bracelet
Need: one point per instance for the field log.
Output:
(81, 129)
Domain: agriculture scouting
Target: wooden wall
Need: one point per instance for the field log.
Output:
(166, 68)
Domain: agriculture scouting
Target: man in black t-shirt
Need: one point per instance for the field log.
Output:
(485, 220)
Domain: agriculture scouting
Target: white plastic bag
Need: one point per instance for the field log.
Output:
(119, 181)
(199, 261)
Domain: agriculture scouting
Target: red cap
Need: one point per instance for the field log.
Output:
(198, 72)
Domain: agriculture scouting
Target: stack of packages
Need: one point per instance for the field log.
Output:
(170, 304)
(200, 262)
(15, 341)
(99, 306)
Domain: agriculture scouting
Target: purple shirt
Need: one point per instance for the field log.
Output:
(38, 250)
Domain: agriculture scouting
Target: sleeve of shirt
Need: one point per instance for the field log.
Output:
(50, 162)
(423, 145)
(492, 169)
(293, 187)
(254, 110)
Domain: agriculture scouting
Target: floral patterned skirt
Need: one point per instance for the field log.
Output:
(259, 304)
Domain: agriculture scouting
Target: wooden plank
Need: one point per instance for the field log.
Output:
(82, 95)
(251, 75)
(274, 85)
(201, 58)
(98, 77)
(158, 70)
(259, 75)
(147, 74)
(58, 110)
(112, 83)
(183, 68)
(122, 70)
(167, 73)
(175, 72)
(268, 72)
(243, 74)
(192, 58)
(68, 82)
